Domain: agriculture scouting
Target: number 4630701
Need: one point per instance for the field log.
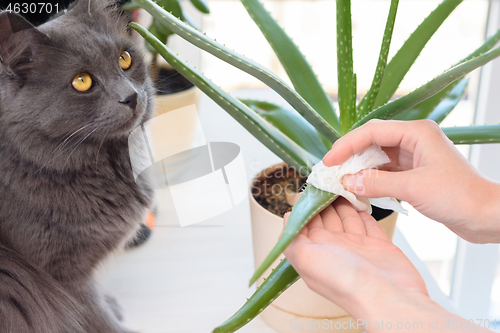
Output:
(32, 8)
(471, 323)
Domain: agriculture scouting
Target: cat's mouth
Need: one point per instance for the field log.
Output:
(133, 120)
(125, 120)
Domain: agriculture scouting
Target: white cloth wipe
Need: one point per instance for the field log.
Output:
(330, 179)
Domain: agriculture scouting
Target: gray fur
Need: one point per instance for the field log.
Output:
(67, 194)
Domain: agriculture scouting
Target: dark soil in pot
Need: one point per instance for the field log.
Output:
(271, 191)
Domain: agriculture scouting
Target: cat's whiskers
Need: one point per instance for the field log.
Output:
(78, 130)
(76, 146)
(170, 76)
(61, 145)
(100, 145)
(79, 143)
(165, 81)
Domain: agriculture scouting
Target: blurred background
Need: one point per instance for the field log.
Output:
(466, 275)
(311, 23)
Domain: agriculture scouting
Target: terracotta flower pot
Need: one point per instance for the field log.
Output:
(298, 307)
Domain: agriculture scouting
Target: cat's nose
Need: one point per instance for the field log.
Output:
(130, 101)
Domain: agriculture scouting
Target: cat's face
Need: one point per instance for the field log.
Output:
(79, 73)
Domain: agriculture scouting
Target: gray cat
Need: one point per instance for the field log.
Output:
(71, 91)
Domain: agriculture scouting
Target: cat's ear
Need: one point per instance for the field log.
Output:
(116, 5)
(19, 41)
(98, 6)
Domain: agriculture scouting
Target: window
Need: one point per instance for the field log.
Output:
(312, 25)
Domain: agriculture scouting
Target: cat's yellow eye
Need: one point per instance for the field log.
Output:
(82, 82)
(125, 60)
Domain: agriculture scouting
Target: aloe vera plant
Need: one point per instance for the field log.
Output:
(302, 133)
(161, 31)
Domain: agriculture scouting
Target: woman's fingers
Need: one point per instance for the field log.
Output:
(285, 219)
(390, 133)
(341, 217)
(316, 222)
(297, 196)
(372, 227)
(331, 220)
(304, 230)
(295, 249)
(373, 183)
(350, 218)
(371, 133)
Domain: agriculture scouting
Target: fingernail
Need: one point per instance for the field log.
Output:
(327, 154)
(354, 183)
(327, 157)
(286, 216)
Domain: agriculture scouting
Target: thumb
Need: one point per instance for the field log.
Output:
(373, 183)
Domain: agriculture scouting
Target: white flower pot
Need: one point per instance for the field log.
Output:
(183, 133)
(169, 102)
(298, 307)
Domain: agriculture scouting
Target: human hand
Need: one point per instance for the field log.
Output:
(427, 171)
(347, 257)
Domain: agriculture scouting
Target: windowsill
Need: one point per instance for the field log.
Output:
(191, 279)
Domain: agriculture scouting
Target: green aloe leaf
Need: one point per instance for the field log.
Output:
(290, 123)
(402, 61)
(272, 138)
(487, 45)
(369, 98)
(280, 279)
(352, 108)
(130, 6)
(201, 5)
(345, 72)
(161, 32)
(477, 134)
(239, 61)
(161, 35)
(311, 202)
(447, 104)
(172, 6)
(298, 69)
(425, 108)
(392, 109)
